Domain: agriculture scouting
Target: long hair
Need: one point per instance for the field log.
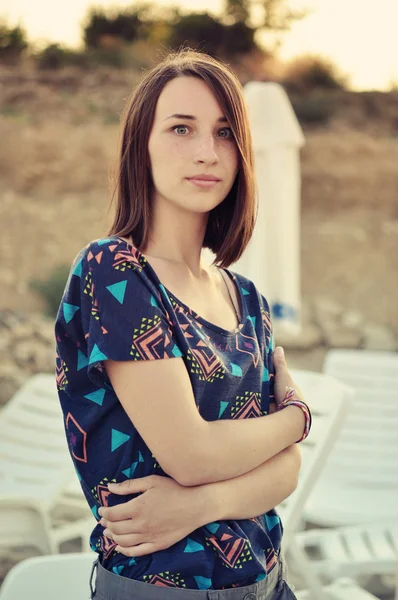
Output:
(230, 224)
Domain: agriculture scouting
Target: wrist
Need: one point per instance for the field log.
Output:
(210, 503)
(297, 415)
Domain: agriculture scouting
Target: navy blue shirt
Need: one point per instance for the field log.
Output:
(114, 306)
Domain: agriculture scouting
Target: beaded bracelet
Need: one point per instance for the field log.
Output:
(290, 400)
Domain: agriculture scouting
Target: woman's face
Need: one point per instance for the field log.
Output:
(197, 144)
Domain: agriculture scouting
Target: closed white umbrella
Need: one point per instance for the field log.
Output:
(272, 259)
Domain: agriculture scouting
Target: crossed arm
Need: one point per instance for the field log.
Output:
(170, 508)
(167, 512)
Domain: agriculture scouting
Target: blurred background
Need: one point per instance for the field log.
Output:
(65, 72)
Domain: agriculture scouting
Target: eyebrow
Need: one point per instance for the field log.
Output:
(192, 118)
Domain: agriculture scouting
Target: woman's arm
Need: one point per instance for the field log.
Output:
(256, 492)
(166, 512)
(191, 450)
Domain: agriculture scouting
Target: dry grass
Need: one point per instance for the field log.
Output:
(60, 132)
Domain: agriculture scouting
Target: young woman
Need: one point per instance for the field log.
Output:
(164, 363)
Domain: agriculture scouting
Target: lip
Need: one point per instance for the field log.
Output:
(203, 183)
(204, 177)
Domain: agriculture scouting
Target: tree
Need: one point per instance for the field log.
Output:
(13, 42)
(275, 14)
(125, 26)
(197, 30)
(208, 34)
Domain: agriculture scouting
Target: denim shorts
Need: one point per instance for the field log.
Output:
(109, 586)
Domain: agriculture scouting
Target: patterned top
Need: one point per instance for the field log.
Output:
(114, 306)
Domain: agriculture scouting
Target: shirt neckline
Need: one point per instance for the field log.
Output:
(186, 308)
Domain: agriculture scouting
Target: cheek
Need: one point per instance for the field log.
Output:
(232, 158)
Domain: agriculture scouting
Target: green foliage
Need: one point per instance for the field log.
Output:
(206, 33)
(313, 72)
(237, 11)
(105, 28)
(238, 39)
(314, 110)
(55, 56)
(197, 30)
(13, 42)
(278, 16)
(52, 288)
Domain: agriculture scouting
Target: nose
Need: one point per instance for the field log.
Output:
(206, 151)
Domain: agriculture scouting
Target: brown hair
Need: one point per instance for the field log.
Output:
(230, 225)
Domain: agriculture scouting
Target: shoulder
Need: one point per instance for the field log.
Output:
(109, 253)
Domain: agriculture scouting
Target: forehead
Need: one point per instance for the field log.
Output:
(187, 95)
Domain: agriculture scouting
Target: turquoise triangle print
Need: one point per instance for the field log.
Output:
(103, 241)
(78, 269)
(118, 439)
(96, 355)
(213, 527)
(118, 290)
(176, 351)
(271, 342)
(97, 396)
(140, 457)
(82, 360)
(236, 370)
(261, 576)
(69, 311)
(204, 583)
(154, 302)
(253, 320)
(118, 569)
(265, 374)
(132, 561)
(130, 471)
(223, 406)
(193, 546)
(95, 513)
(271, 522)
(245, 292)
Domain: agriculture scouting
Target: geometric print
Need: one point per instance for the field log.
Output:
(166, 579)
(205, 364)
(150, 340)
(234, 552)
(115, 307)
(246, 406)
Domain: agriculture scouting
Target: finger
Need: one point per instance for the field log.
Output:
(131, 486)
(124, 511)
(140, 550)
(121, 527)
(127, 541)
(279, 359)
(121, 512)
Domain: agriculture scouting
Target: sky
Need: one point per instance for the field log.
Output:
(359, 36)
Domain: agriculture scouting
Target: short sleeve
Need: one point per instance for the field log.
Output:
(124, 314)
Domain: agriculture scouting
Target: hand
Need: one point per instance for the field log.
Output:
(282, 377)
(161, 516)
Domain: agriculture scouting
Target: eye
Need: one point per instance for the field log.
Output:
(179, 127)
(229, 130)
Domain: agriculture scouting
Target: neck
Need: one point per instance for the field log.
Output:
(177, 236)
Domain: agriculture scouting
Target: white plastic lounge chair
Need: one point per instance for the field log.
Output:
(351, 551)
(330, 402)
(359, 485)
(35, 469)
(57, 577)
